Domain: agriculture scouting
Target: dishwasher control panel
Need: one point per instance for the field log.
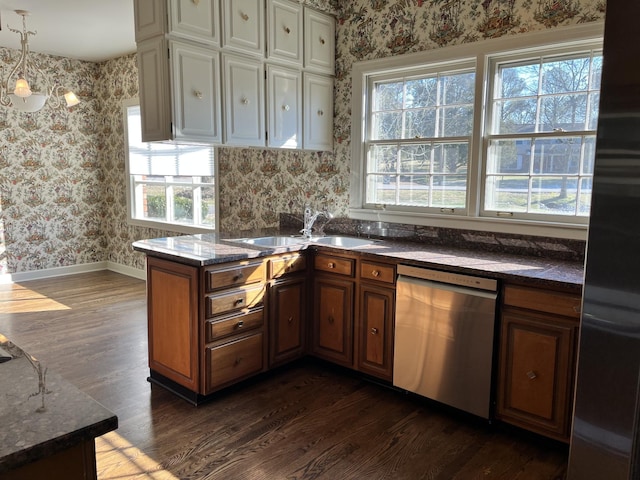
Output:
(449, 277)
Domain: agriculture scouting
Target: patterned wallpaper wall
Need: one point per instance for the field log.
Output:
(62, 186)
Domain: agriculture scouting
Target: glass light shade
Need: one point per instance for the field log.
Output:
(32, 103)
(71, 99)
(22, 88)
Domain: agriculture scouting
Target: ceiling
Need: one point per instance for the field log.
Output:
(92, 30)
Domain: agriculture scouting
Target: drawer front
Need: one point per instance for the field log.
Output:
(245, 297)
(338, 265)
(378, 272)
(564, 304)
(234, 361)
(238, 274)
(249, 320)
(285, 265)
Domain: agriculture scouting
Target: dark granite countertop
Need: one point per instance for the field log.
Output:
(210, 249)
(30, 432)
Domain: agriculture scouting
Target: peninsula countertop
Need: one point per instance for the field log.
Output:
(210, 249)
(42, 414)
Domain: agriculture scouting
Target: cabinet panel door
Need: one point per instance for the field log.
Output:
(244, 26)
(196, 93)
(376, 331)
(287, 303)
(319, 42)
(197, 21)
(172, 303)
(284, 27)
(333, 320)
(284, 98)
(318, 112)
(153, 75)
(150, 17)
(536, 361)
(244, 102)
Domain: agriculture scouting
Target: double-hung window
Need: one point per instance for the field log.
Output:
(486, 135)
(171, 185)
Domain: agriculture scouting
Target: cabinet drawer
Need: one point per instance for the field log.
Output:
(235, 360)
(245, 297)
(341, 266)
(216, 329)
(238, 274)
(547, 301)
(285, 265)
(377, 272)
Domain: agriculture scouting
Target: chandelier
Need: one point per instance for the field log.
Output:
(23, 96)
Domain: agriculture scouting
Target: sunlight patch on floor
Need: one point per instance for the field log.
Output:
(117, 459)
(19, 299)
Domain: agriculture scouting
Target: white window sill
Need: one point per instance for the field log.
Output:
(171, 227)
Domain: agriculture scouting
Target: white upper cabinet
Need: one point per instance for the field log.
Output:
(284, 28)
(197, 20)
(244, 26)
(150, 17)
(244, 101)
(153, 75)
(196, 93)
(318, 112)
(284, 107)
(319, 42)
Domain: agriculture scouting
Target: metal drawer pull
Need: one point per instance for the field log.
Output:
(244, 16)
(320, 113)
(198, 93)
(244, 101)
(239, 276)
(321, 41)
(576, 309)
(375, 273)
(374, 331)
(532, 375)
(237, 362)
(240, 324)
(331, 265)
(290, 320)
(287, 30)
(239, 301)
(285, 108)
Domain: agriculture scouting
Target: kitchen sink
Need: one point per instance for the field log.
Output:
(339, 241)
(272, 241)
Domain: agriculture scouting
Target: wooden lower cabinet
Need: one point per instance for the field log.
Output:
(333, 319)
(376, 320)
(233, 361)
(287, 312)
(537, 362)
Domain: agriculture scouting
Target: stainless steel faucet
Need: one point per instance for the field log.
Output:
(309, 219)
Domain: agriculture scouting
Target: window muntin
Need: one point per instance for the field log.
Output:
(169, 183)
(541, 142)
(418, 145)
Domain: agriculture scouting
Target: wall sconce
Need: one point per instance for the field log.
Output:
(22, 97)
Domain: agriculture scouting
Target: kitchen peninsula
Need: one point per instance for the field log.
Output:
(48, 425)
(223, 310)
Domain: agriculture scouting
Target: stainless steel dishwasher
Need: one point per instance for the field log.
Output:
(444, 335)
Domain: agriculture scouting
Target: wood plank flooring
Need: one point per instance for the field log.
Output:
(305, 421)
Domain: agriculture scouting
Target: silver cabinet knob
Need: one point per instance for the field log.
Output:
(244, 16)
(374, 331)
(285, 108)
(287, 30)
(197, 93)
(531, 375)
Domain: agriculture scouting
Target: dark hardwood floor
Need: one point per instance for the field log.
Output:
(305, 421)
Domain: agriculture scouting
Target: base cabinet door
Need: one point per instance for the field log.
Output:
(375, 352)
(536, 361)
(333, 320)
(287, 304)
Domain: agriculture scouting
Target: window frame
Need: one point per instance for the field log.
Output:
(132, 183)
(580, 37)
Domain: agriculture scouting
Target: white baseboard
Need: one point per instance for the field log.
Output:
(71, 270)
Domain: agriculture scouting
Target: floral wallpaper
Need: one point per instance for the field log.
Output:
(62, 185)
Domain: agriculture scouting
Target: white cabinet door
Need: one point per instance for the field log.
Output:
(195, 20)
(149, 18)
(244, 101)
(284, 29)
(153, 75)
(318, 112)
(244, 26)
(196, 93)
(319, 41)
(284, 104)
